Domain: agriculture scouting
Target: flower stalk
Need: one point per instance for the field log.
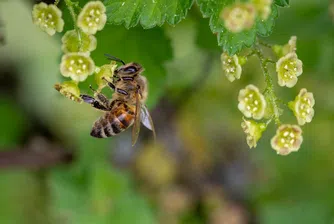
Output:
(270, 86)
(70, 5)
(56, 2)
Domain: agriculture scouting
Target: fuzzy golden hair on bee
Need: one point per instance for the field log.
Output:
(126, 107)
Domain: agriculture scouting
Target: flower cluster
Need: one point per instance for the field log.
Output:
(77, 44)
(265, 106)
(48, 18)
(241, 16)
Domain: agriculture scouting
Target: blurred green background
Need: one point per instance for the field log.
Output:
(200, 170)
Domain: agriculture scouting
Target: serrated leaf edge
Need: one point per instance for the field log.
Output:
(157, 23)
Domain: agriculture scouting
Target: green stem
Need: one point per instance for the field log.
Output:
(269, 61)
(269, 121)
(264, 43)
(270, 85)
(282, 102)
(253, 52)
(56, 2)
(70, 5)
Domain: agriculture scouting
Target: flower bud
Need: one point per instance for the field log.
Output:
(290, 47)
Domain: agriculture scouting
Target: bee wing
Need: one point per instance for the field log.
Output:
(146, 119)
(136, 125)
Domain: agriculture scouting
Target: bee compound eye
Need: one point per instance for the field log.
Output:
(130, 69)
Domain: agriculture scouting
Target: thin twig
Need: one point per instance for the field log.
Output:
(270, 86)
(39, 153)
(270, 61)
(29, 159)
(70, 5)
(56, 2)
(265, 44)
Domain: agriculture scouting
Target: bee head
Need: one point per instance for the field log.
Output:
(129, 69)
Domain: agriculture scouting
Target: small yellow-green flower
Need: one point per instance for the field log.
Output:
(70, 90)
(288, 68)
(92, 17)
(290, 47)
(253, 131)
(105, 71)
(231, 66)
(302, 107)
(48, 18)
(71, 42)
(292, 44)
(238, 17)
(263, 8)
(288, 139)
(252, 102)
(78, 66)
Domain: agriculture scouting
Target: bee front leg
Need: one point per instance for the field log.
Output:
(100, 97)
(112, 86)
(92, 101)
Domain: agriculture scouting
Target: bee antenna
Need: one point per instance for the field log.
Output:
(113, 58)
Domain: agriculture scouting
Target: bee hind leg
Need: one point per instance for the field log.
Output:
(92, 101)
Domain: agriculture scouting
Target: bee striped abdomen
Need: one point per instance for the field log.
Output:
(113, 122)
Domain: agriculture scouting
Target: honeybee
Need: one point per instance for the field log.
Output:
(127, 105)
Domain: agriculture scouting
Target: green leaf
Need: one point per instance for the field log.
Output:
(306, 212)
(205, 38)
(149, 13)
(282, 3)
(112, 197)
(188, 61)
(234, 42)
